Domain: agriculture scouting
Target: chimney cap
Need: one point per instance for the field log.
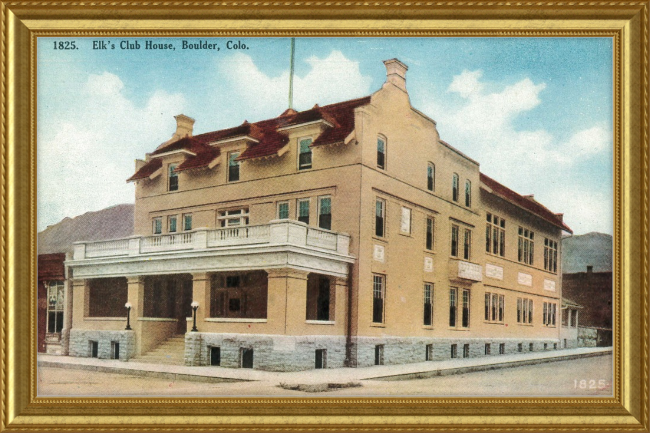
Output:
(182, 117)
(395, 62)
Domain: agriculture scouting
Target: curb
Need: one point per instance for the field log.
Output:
(143, 373)
(475, 368)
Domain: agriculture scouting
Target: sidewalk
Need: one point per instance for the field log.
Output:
(334, 375)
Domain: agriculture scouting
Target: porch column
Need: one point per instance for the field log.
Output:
(339, 286)
(80, 302)
(67, 317)
(288, 299)
(136, 299)
(201, 294)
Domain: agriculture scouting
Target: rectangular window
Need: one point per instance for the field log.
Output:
(524, 310)
(429, 235)
(304, 157)
(526, 246)
(173, 177)
(379, 354)
(55, 301)
(468, 193)
(454, 351)
(549, 315)
(465, 313)
(405, 224)
(454, 187)
(431, 177)
(303, 211)
(531, 347)
(495, 235)
(233, 218)
(381, 153)
(233, 167)
(215, 355)
(494, 306)
(488, 348)
(428, 352)
(283, 210)
(465, 350)
(520, 347)
(320, 358)
(550, 255)
(502, 349)
(157, 225)
(172, 223)
(467, 244)
(454, 241)
(428, 304)
(187, 222)
(378, 288)
(325, 213)
(380, 217)
(453, 306)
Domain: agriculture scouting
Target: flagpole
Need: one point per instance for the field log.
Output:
(293, 50)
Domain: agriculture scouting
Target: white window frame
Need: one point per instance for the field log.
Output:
(495, 229)
(187, 216)
(237, 153)
(496, 309)
(384, 152)
(311, 153)
(279, 205)
(320, 201)
(58, 305)
(379, 200)
(227, 217)
(171, 174)
(298, 202)
(156, 225)
(171, 218)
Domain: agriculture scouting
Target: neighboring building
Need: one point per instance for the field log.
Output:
(594, 291)
(343, 235)
(51, 302)
(591, 249)
(569, 333)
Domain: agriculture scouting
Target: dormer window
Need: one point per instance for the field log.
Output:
(381, 153)
(173, 178)
(304, 156)
(233, 167)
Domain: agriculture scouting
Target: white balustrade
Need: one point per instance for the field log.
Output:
(111, 248)
(278, 232)
(180, 241)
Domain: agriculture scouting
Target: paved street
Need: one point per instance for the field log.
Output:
(586, 377)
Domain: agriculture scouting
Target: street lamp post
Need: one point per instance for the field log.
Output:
(128, 316)
(195, 306)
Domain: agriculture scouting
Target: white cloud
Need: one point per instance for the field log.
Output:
(331, 79)
(529, 161)
(86, 157)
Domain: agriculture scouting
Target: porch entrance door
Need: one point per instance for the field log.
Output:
(185, 309)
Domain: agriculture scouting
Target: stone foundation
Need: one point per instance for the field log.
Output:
(270, 352)
(397, 350)
(80, 343)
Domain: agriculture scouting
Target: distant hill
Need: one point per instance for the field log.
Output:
(110, 223)
(591, 249)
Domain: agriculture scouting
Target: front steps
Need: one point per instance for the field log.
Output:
(170, 352)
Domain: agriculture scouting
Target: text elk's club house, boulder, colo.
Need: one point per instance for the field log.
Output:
(343, 235)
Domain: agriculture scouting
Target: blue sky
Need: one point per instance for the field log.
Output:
(535, 112)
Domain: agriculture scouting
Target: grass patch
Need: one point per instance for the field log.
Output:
(319, 387)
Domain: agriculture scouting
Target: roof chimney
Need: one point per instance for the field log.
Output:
(396, 73)
(184, 126)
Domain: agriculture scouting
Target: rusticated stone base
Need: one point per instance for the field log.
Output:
(80, 343)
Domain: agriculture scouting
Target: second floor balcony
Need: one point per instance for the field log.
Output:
(281, 242)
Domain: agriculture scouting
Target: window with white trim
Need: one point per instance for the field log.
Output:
(467, 245)
(303, 210)
(233, 217)
(325, 212)
(380, 217)
(495, 235)
(233, 167)
(454, 240)
(157, 225)
(172, 223)
(524, 310)
(304, 154)
(549, 313)
(283, 210)
(428, 242)
(55, 306)
(459, 308)
(550, 255)
(428, 304)
(187, 222)
(381, 153)
(378, 295)
(173, 177)
(526, 246)
(494, 307)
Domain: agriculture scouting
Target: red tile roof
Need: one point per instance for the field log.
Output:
(527, 203)
(50, 267)
(268, 139)
(146, 170)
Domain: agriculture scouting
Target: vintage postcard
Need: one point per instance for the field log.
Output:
(325, 217)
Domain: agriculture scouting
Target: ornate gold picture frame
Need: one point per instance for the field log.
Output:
(626, 22)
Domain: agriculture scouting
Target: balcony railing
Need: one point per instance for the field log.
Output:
(278, 232)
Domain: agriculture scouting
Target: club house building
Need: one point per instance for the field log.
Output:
(343, 235)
